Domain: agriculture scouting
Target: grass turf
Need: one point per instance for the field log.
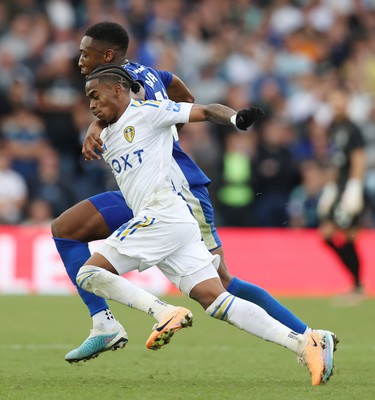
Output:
(209, 361)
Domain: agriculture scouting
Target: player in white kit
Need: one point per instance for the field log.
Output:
(138, 146)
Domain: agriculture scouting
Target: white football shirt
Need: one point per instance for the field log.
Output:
(138, 148)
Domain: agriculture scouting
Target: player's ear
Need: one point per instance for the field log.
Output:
(109, 55)
(118, 88)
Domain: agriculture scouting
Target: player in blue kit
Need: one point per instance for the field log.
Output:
(97, 217)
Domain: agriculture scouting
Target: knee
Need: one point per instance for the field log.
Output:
(223, 272)
(69, 226)
(55, 228)
(204, 300)
(206, 292)
(60, 229)
(85, 275)
(80, 278)
(226, 279)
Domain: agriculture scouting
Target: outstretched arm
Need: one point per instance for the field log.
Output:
(224, 115)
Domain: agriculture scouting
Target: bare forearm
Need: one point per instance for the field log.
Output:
(219, 114)
(223, 115)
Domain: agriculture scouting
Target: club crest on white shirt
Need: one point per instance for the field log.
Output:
(129, 133)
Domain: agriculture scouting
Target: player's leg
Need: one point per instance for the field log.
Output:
(100, 276)
(350, 255)
(248, 316)
(200, 204)
(193, 270)
(140, 243)
(71, 232)
(89, 220)
(344, 247)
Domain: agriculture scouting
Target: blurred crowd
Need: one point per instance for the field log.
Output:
(284, 56)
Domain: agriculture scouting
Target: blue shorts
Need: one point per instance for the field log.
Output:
(115, 211)
(113, 208)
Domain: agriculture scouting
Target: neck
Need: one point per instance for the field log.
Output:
(122, 107)
(121, 61)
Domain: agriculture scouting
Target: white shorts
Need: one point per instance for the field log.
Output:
(176, 248)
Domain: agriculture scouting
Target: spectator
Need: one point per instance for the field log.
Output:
(235, 194)
(59, 90)
(284, 56)
(92, 178)
(16, 40)
(12, 69)
(368, 129)
(303, 200)
(210, 87)
(39, 213)
(311, 143)
(50, 185)
(274, 175)
(13, 192)
(24, 141)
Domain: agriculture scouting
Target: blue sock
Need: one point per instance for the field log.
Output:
(74, 254)
(262, 298)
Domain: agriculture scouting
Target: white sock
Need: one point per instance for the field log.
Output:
(114, 287)
(104, 320)
(308, 330)
(253, 319)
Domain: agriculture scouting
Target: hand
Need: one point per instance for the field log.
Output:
(246, 117)
(327, 199)
(342, 219)
(93, 142)
(351, 200)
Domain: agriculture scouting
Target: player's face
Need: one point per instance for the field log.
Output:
(103, 100)
(92, 56)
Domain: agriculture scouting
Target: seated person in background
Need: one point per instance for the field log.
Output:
(13, 191)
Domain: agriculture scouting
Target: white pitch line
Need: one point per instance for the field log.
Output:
(65, 346)
(35, 346)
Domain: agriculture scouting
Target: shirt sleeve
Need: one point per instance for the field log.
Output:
(166, 113)
(166, 78)
(356, 140)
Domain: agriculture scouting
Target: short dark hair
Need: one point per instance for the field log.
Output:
(110, 33)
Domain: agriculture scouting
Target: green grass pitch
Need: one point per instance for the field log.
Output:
(212, 360)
